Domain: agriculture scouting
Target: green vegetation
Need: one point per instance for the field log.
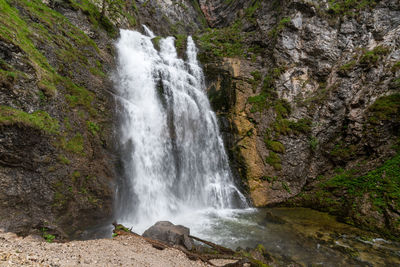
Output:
(156, 42)
(259, 102)
(75, 144)
(342, 151)
(120, 227)
(385, 108)
(39, 119)
(48, 237)
(63, 159)
(370, 58)
(93, 127)
(347, 7)
(285, 127)
(274, 160)
(381, 184)
(256, 79)
(396, 66)
(114, 8)
(313, 143)
(346, 68)
(302, 126)
(224, 42)
(275, 146)
(251, 10)
(286, 187)
(268, 97)
(17, 31)
(279, 27)
(79, 96)
(180, 41)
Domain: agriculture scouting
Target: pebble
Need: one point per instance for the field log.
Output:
(121, 251)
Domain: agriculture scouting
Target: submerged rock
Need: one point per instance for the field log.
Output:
(171, 234)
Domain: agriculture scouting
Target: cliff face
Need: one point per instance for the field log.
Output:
(308, 93)
(58, 155)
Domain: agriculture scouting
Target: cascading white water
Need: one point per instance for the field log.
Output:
(173, 155)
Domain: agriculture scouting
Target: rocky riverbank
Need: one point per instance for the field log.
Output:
(122, 250)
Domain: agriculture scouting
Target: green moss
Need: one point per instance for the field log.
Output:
(39, 119)
(93, 127)
(79, 96)
(75, 144)
(256, 79)
(279, 27)
(75, 176)
(285, 127)
(346, 68)
(156, 42)
(281, 126)
(302, 126)
(286, 187)
(17, 31)
(385, 108)
(63, 159)
(342, 151)
(314, 143)
(268, 96)
(95, 16)
(255, 5)
(275, 146)
(274, 160)
(180, 41)
(371, 58)
(259, 102)
(382, 184)
(282, 108)
(396, 66)
(223, 42)
(347, 7)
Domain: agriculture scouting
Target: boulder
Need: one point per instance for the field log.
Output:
(171, 234)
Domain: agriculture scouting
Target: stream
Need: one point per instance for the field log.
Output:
(175, 168)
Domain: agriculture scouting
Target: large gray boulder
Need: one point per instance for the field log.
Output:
(171, 234)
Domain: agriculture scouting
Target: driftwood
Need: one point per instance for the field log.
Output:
(219, 248)
(191, 255)
(223, 253)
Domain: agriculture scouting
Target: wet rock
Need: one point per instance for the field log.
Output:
(171, 234)
(271, 218)
(329, 68)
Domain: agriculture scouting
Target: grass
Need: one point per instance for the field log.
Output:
(48, 237)
(382, 184)
(39, 119)
(93, 127)
(223, 42)
(74, 145)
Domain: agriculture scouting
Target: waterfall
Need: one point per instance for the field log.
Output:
(174, 161)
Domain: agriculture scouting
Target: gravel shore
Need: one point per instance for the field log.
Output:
(125, 250)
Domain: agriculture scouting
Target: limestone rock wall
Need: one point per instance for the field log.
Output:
(304, 101)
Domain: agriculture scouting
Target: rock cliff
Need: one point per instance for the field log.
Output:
(308, 94)
(58, 155)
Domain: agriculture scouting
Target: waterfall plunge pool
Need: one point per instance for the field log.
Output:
(175, 168)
